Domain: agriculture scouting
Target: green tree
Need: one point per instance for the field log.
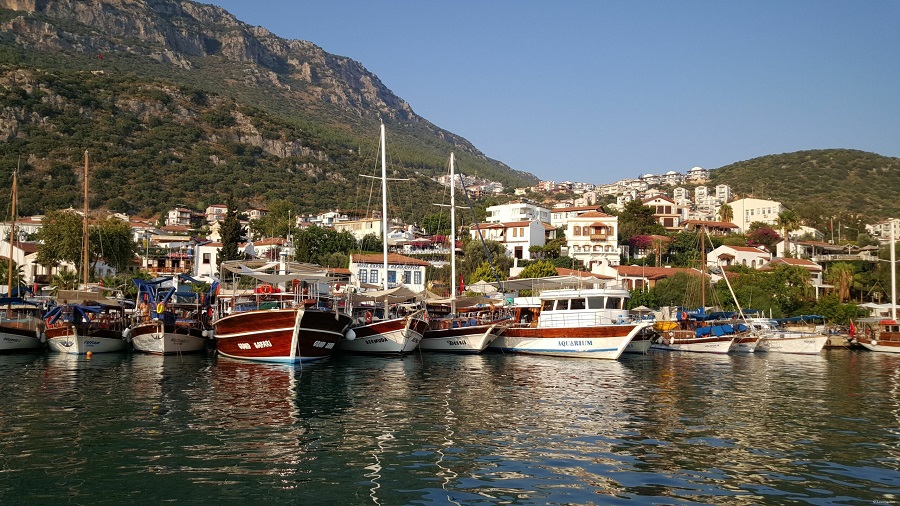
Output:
(232, 234)
(726, 213)
(65, 279)
(370, 242)
(314, 244)
(539, 269)
(788, 221)
(276, 223)
(474, 256)
(436, 224)
(840, 274)
(18, 278)
(638, 219)
(111, 239)
(61, 239)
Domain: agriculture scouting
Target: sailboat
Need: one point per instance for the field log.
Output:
(389, 335)
(460, 334)
(85, 321)
(20, 324)
(691, 331)
(882, 334)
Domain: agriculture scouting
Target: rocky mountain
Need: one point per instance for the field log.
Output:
(181, 103)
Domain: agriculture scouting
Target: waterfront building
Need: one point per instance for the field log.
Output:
(749, 210)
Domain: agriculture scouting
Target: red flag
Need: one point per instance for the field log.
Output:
(100, 56)
(852, 329)
(462, 285)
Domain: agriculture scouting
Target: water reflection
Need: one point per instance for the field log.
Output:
(664, 428)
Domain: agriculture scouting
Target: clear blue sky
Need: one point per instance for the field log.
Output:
(596, 91)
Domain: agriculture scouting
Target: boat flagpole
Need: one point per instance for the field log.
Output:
(894, 270)
(452, 238)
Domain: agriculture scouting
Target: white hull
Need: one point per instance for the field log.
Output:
(475, 341)
(168, 343)
(641, 346)
(78, 345)
(808, 345)
(694, 345)
(878, 347)
(595, 347)
(14, 342)
(390, 340)
(744, 345)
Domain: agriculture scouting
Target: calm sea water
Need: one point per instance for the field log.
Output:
(664, 428)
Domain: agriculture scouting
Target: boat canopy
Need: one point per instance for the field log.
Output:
(393, 295)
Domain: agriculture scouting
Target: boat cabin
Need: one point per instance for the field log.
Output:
(576, 308)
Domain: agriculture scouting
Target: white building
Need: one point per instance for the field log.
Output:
(368, 269)
(738, 255)
(749, 210)
(359, 228)
(516, 236)
(517, 210)
(592, 237)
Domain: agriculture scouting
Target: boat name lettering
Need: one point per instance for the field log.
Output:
(376, 340)
(321, 344)
(578, 342)
(244, 346)
(262, 344)
(91, 343)
(456, 342)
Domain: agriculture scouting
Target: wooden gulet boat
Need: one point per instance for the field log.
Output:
(85, 322)
(589, 323)
(20, 324)
(171, 323)
(467, 334)
(288, 327)
(393, 334)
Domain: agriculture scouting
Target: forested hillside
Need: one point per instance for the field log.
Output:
(821, 184)
(180, 103)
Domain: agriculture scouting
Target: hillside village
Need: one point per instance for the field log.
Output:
(187, 240)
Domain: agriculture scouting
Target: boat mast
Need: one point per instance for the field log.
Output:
(384, 230)
(12, 233)
(452, 237)
(702, 270)
(893, 270)
(84, 240)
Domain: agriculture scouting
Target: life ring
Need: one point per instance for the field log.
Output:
(265, 289)
(160, 308)
(368, 317)
(426, 317)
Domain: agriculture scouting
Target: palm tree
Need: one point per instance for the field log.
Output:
(841, 275)
(17, 276)
(65, 280)
(726, 213)
(788, 221)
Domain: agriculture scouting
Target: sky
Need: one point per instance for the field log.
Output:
(597, 91)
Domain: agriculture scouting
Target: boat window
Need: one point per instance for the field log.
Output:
(547, 305)
(576, 304)
(613, 303)
(595, 302)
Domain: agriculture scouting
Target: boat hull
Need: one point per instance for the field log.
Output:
(640, 344)
(16, 339)
(73, 341)
(279, 335)
(389, 337)
(694, 344)
(744, 344)
(601, 341)
(472, 339)
(159, 340)
(805, 345)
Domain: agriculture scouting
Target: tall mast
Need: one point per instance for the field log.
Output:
(452, 236)
(384, 229)
(703, 269)
(894, 270)
(12, 233)
(84, 240)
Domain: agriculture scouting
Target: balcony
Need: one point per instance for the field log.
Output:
(599, 237)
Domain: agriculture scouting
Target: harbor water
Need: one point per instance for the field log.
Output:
(661, 428)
